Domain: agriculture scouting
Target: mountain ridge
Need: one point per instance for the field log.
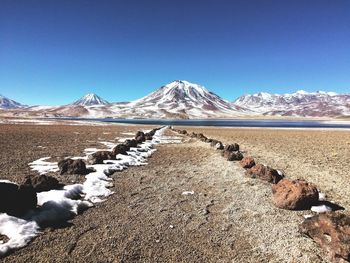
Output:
(181, 99)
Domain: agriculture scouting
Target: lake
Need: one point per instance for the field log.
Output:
(231, 123)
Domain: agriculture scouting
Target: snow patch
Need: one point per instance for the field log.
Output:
(57, 206)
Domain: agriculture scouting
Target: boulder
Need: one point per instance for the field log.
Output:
(148, 137)
(219, 146)
(70, 166)
(120, 149)
(42, 182)
(265, 173)
(100, 156)
(214, 142)
(140, 137)
(332, 232)
(152, 132)
(232, 147)
(247, 162)
(130, 143)
(234, 156)
(294, 194)
(17, 200)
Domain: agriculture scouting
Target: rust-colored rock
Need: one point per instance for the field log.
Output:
(265, 173)
(294, 194)
(247, 162)
(332, 232)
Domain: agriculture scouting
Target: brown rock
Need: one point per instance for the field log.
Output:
(120, 149)
(247, 162)
(140, 137)
(148, 137)
(100, 156)
(264, 173)
(42, 182)
(234, 156)
(130, 143)
(69, 166)
(232, 147)
(294, 194)
(16, 200)
(332, 232)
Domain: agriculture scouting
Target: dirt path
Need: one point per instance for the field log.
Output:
(229, 218)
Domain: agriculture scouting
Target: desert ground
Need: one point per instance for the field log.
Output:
(228, 218)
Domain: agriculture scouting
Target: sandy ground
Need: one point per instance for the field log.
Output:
(319, 156)
(229, 218)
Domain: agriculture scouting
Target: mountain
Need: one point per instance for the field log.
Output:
(300, 103)
(90, 99)
(181, 99)
(6, 103)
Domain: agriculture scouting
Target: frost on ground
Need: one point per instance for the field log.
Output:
(57, 206)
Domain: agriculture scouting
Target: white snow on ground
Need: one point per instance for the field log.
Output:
(57, 206)
(321, 209)
(42, 166)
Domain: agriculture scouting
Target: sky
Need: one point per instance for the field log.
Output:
(53, 52)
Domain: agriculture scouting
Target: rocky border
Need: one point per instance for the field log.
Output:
(331, 230)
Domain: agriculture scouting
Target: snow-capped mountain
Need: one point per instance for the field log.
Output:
(181, 99)
(6, 103)
(90, 99)
(300, 103)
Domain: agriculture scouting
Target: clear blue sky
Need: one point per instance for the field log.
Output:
(52, 52)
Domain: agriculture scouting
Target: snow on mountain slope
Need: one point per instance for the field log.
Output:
(180, 99)
(300, 103)
(90, 100)
(6, 103)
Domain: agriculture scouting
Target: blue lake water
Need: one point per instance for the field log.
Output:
(230, 123)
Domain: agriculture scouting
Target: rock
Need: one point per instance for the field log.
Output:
(42, 182)
(184, 132)
(120, 149)
(209, 140)
(294, 194)
(193, 135)
(100, 156)
(17, 200)
(232, 147)
(213, 142)
(148, 137)
(140, 137)
(225, 153)
(219, 146)
(152, 132)
(247, 162)
(234, 156)
(265, 173)
(69, 166)
(332, 232)
(130, 143)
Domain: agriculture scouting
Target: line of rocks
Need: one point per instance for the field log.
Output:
(330, 230)
(16, 200)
